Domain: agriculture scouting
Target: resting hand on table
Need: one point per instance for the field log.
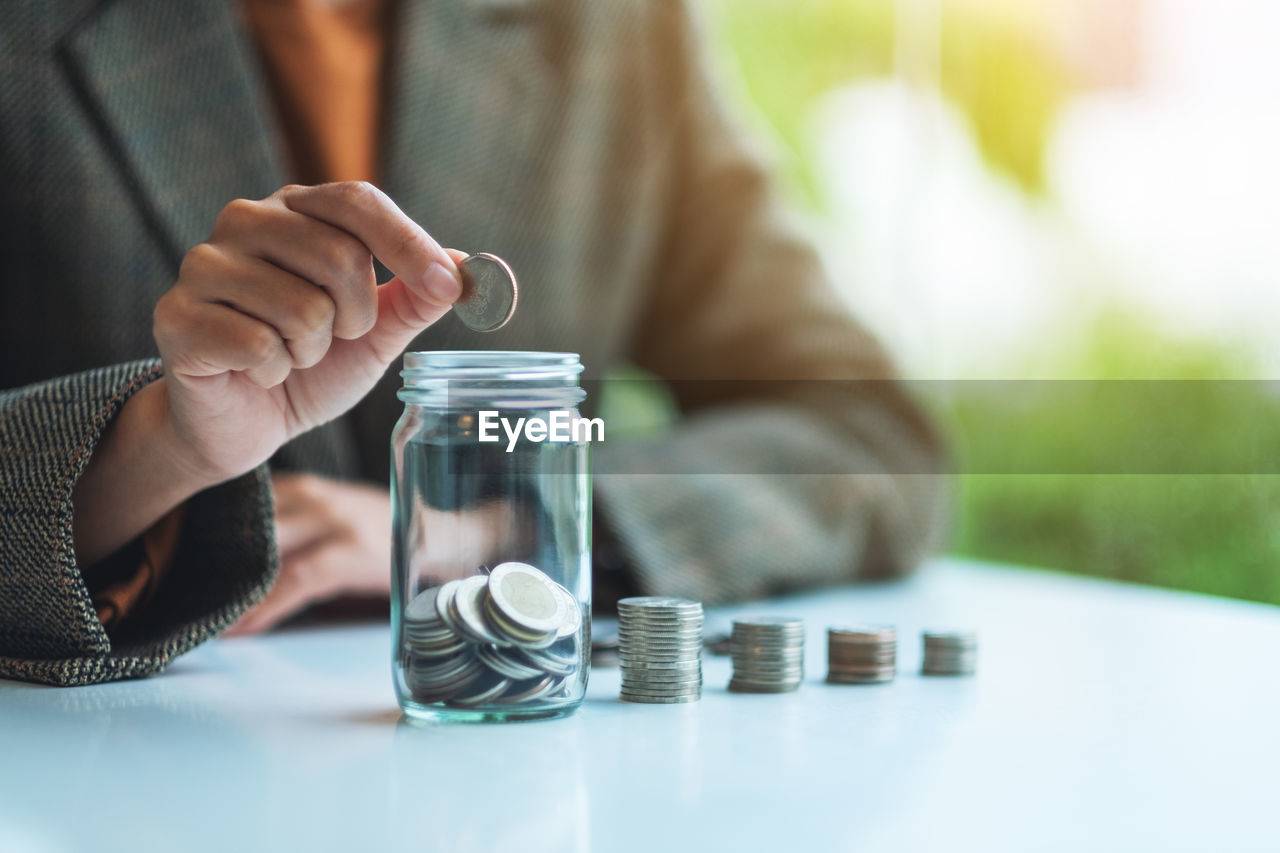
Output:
(274, 326)
(334, 540)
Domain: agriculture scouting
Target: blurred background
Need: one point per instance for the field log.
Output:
(1049, 189)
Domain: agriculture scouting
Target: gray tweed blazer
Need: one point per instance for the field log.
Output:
(577, 138)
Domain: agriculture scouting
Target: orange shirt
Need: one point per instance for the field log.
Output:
(324, 61)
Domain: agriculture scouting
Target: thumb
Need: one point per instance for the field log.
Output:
(405, 308)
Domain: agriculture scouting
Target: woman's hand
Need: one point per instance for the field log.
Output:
(333, 538)
(274, 326)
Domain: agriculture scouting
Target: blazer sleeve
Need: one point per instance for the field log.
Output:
(49, 632)
(799, 459)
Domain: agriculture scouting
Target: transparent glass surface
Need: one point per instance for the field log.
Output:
(491, 570)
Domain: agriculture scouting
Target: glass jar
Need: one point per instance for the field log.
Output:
(491, 517)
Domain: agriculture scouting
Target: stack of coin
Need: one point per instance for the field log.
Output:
(863, 655)
(950, 653)
(660, 649)
(768, 654)
(512, 636)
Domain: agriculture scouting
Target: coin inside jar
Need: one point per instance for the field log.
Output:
(468, 604)
(489, 293)
(573, 614)
(524, 597)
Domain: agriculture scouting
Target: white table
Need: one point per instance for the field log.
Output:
(1103, 717)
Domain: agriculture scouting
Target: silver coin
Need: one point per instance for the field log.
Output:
(438, 690)
(552, 664)
(769, 622)
(779, 626)
(864, 633)
(659, 646)
(628, 640)
(736, 686)
(773, 652)
(659, 657)
(432, 670)
(767, 654)
(526, 598)
(489, 293)
(513, 635)
(668, 681)
(683, 652)
(427, 631)
(640, 602)
(660, 700)
(435, 644)
(949, 667)
(573, 613)
(950, 654)
(444, 601)
(673, 681)
(528, 691)
(661, 620)
(468, 604)
(423, 607)
(632, 635)
(771, 673)
(630, 631)
(676, 665)
(682, 681)
(505, 663)
(482, 691)
(769, 670)
(634, 695)
(651, 661)
(437, 649)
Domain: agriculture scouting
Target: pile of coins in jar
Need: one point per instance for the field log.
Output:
(511, 637)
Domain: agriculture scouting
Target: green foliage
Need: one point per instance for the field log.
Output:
(791, 53)
(1207, 532)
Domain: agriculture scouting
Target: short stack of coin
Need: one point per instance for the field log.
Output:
(512, 636)
(862, 655)
(768, 654)
(660, 649)
(950, 653)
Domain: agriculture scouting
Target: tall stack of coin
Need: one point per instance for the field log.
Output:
(950, 653)
(863, 655)
(768, 654)
(512, 636)
(660, 649)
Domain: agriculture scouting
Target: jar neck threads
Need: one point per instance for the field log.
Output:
(505, 379)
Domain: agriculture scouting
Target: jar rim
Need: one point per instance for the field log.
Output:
(470, 359)
(470, 375)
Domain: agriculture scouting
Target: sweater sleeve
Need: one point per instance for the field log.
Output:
(799, 460)
(49, 631)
